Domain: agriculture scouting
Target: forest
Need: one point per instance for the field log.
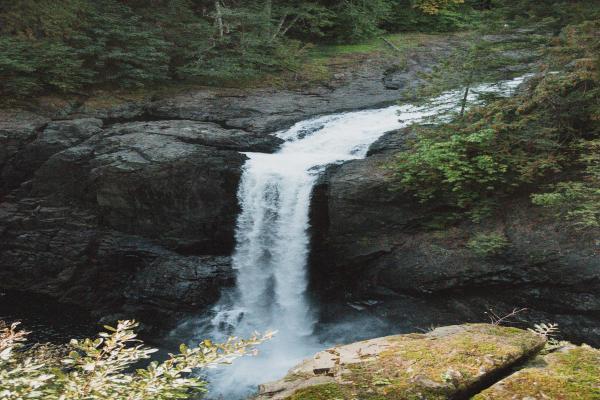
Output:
(68, 45)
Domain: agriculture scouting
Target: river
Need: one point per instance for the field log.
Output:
(272, 238)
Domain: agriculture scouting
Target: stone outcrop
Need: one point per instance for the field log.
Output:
(571, 372)
(371, 81)
(128, 209)
(133, 219)
(447, 363)
(374, 243)
(53, 138)
(17, 128)
(98, 200)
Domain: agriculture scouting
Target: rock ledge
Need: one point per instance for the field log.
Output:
(452, 362)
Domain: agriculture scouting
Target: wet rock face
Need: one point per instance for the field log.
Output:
(153, 180)
(55, 137)
(65, 254)
(17, 128)
(175, 286)
(372, 83)
(370, 243)
(129, 209)
(449, 362)
(133, 219)
(200, 133)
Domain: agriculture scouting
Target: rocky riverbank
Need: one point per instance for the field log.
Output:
(453, 362)
(129, 209)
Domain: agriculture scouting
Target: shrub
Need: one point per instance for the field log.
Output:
(103, 368)
(577, 202)
(511, 144)
(489, 244)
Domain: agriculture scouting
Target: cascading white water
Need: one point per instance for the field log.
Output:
(272, 239)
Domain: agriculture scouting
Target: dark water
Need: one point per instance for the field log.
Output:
(46, 319)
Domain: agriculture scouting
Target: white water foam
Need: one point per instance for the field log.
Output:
(272, 238)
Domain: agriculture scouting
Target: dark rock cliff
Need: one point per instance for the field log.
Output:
(128, 218)
(372, 243)
(130, 210)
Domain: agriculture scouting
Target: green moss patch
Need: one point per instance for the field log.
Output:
(573, 373)
(438, 365)
(329, 391)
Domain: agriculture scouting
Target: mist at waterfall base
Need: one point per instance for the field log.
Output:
(272, 242)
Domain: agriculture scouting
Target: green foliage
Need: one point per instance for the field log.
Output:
(26, 66)
(577, 201)
(472, 162)
(117, 47)
(457, 165)
(359, 19)
(489, 244)
(253, 42)
(550, 14)
(405, 18)
(99, 42)
(435, 6)
(68, 45)
(103, 368)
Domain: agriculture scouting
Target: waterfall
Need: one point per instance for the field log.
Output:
(272, 238)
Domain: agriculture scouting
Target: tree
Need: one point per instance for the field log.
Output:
(489, 54)
(102, 368)
(357, 20)
(435, 6)
(547, 133)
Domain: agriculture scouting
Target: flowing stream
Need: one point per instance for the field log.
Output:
(272, 239)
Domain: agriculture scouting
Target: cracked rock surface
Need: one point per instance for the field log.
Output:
(452, 362)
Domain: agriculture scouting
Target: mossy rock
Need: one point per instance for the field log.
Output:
(445, 363)
(571, 373)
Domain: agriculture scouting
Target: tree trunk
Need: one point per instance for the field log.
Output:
(292, 23)
(463, 104)
(268, 16)
(219, 18)
(279, 26)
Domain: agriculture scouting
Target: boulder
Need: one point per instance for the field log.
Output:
(572, 372)
(55, 137)
(153, 180)
(448, 362)
(17, 128)
(391, 142)
(63, 253)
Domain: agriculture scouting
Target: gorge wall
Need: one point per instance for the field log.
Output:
(129, 211)
(372, 243)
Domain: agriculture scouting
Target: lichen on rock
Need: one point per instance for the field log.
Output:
(444, 363)
(572, 372)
